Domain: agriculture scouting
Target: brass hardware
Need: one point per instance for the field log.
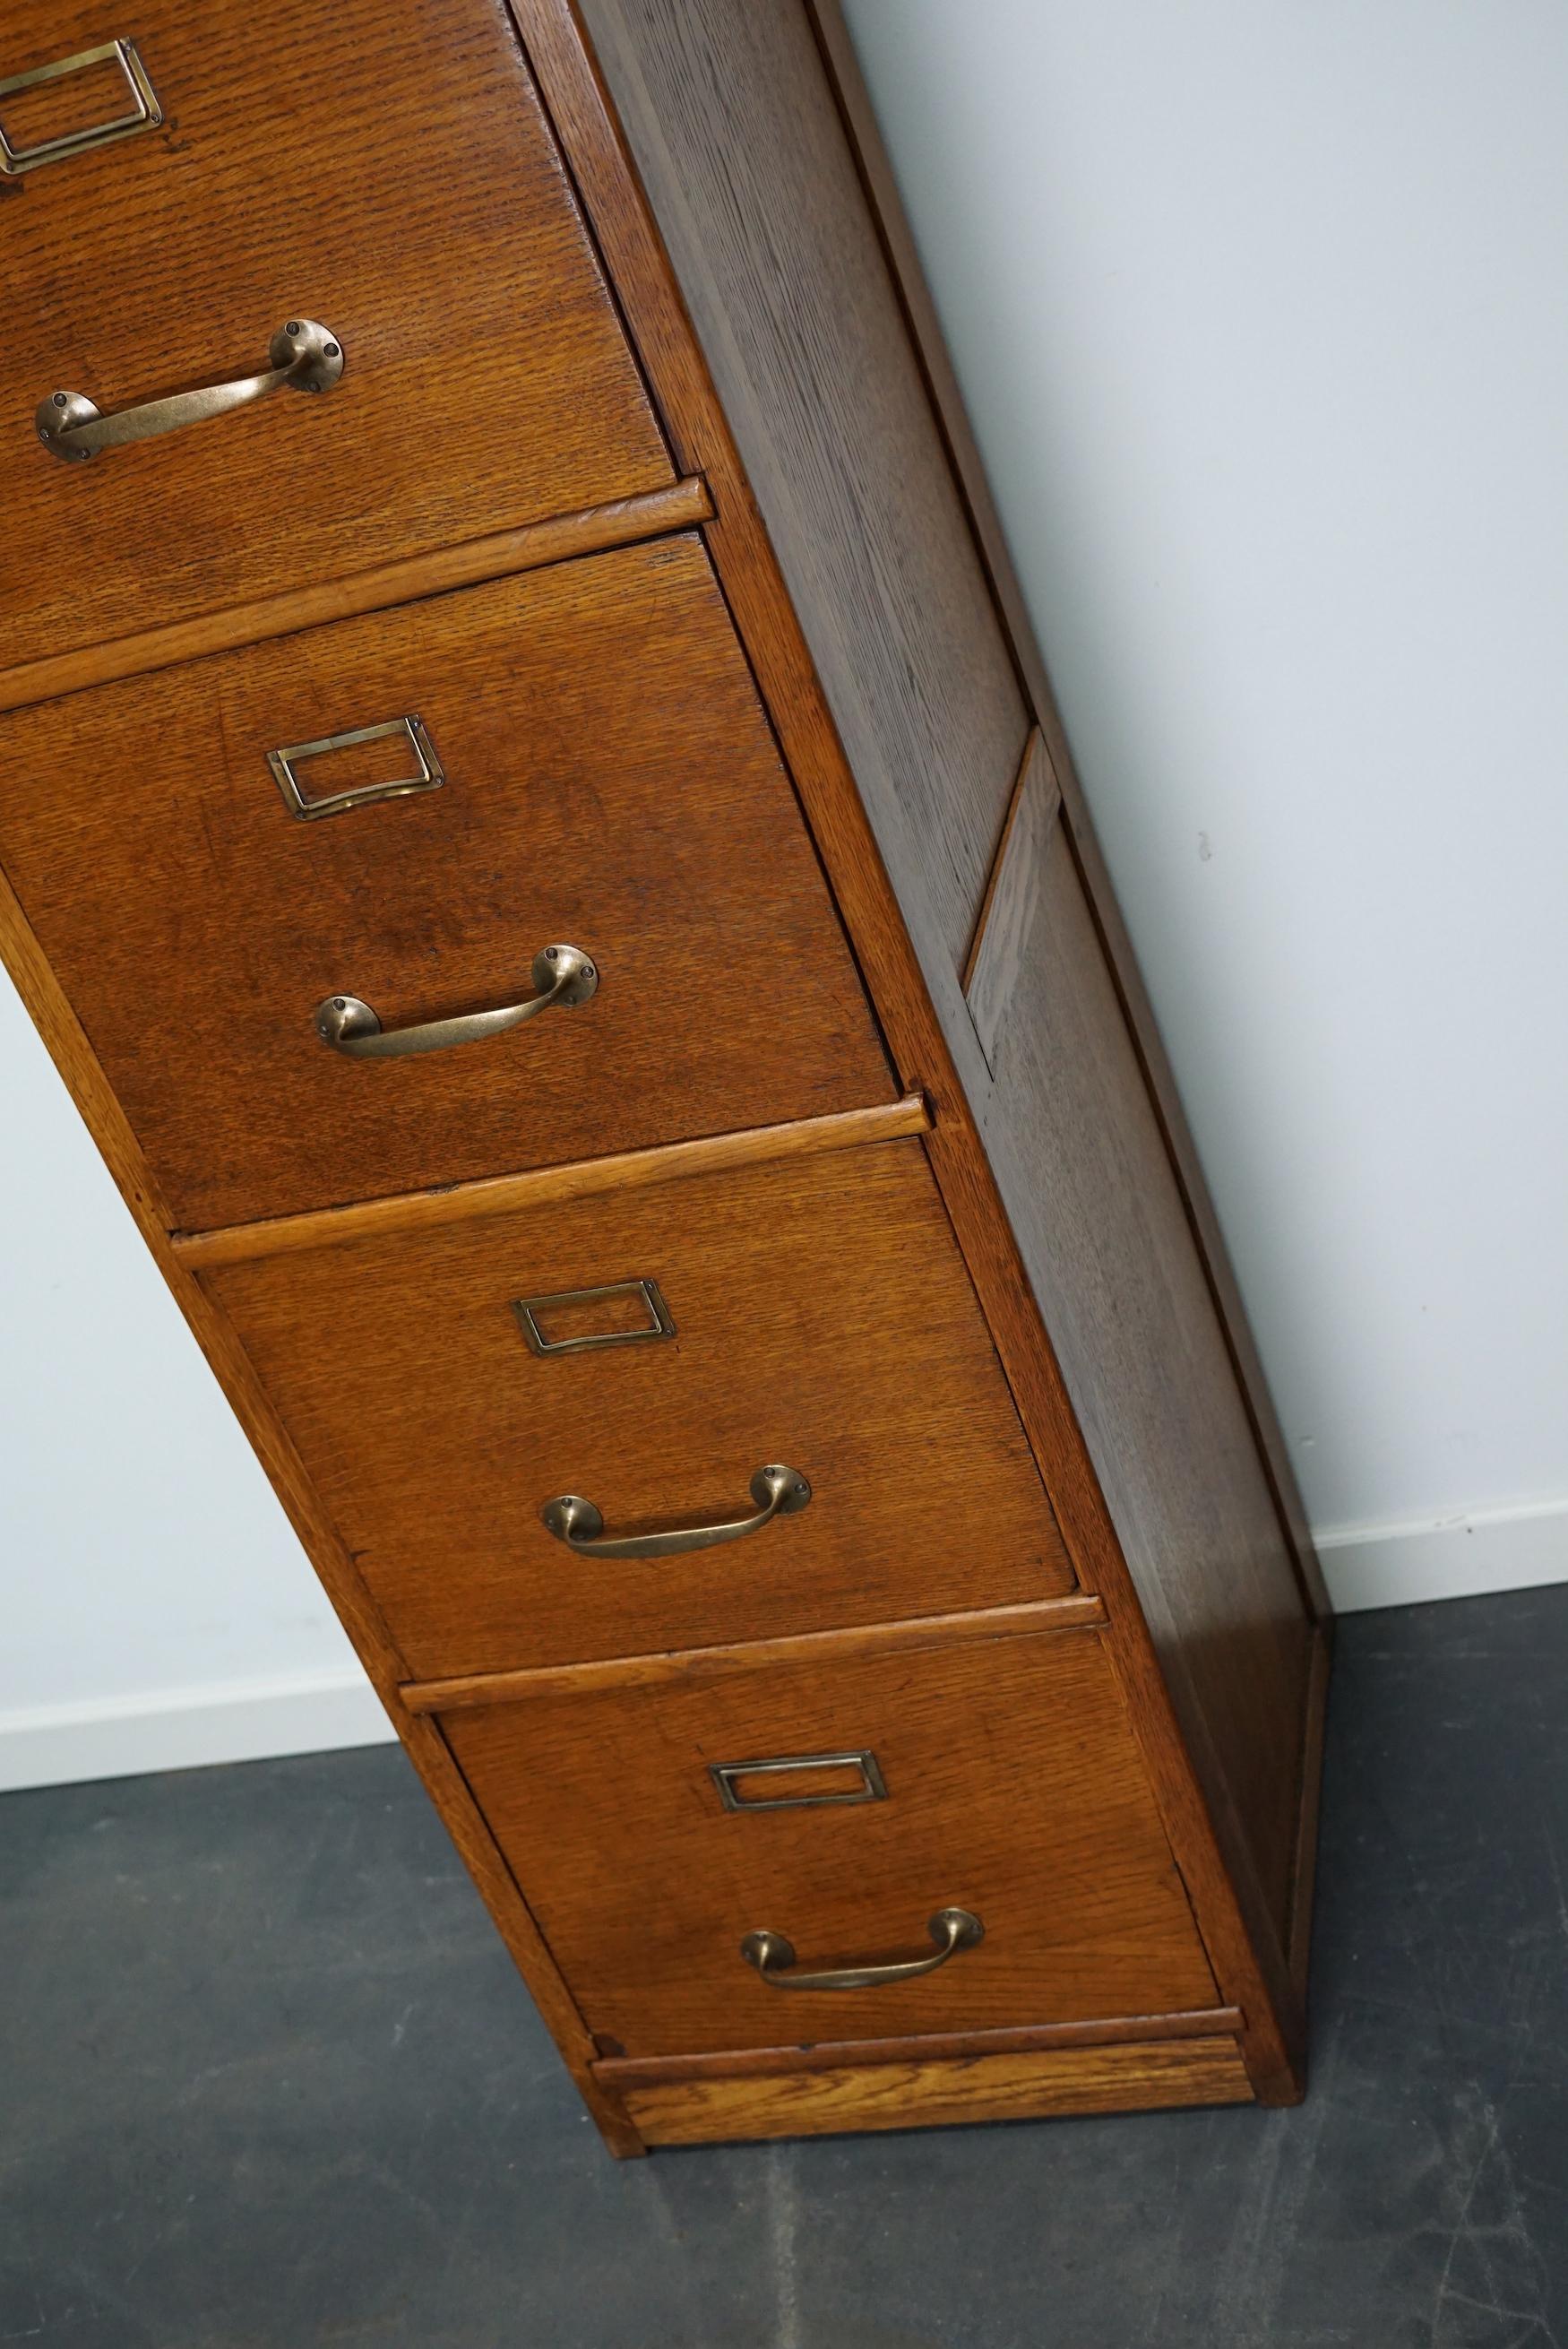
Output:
(778, 1491)
(564, 976)
(725, 1774)
(430, 777)
(301, 355)
(147, 114)
(527, 1310)
(774, 1957)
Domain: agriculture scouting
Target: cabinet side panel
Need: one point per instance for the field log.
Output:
(899, 242)
(730, 118)
(1082, 1166)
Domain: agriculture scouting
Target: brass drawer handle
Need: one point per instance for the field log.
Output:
(778, 1491)
(564, 976)
(774, 1958)
(302, 355)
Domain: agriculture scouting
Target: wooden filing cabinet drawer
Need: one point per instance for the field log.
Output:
(610, 783)
(381, 167)
(999, 1779)
(821, 1316)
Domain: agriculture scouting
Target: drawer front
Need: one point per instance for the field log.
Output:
(381, 167)
(1005, 1785)
(819, 1316)
(610, 783)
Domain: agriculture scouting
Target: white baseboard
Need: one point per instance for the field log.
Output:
(187, 1728)
(1452, 1557)
(314, 1712)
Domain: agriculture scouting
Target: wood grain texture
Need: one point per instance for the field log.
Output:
(623, 2072)
(1002, 939)
(550, 1186)
(1103, 1232)
(433, 230)
(69, 1048)
(766, 226)
(1014, 1790)
(904, 261)
(611, 781)
(822, 1318)
(688, 1665)
(622, 522)
(920, 1002)
(942, 2094)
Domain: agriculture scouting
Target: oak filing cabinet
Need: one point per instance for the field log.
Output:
(549, 867)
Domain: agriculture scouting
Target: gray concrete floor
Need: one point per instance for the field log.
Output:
(269, 2079)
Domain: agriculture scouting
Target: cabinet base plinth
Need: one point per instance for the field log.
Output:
(1131, 2077)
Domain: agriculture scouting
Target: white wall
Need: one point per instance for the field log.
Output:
(1259, 308)
(1259, 311)
(155, 1608)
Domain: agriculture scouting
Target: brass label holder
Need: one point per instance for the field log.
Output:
(428, 775)
(648, 1293)
(871, 1788)
(147, 112)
